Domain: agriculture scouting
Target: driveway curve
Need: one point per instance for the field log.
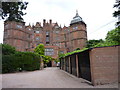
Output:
(47, 78)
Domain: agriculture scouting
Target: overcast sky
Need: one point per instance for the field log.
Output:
(97, 14)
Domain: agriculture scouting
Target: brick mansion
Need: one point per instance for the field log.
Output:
(54, 37)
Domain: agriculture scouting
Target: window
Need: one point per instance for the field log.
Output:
(57, 38)
(64, 37)
(37, 31)
(5, 34)
(28, 45)
(47, 39)
(19, 26)
(29, 29)
(62, 52)
(6, 26)
(57, 31)
(38, 42)
(8, 32)
(57, 44)
(49, 51)
(75, 28)
(28, 35)
(55, 62)
(56, 27)
(37, 38)
(47, 43)
(47, 33)
(66, 30)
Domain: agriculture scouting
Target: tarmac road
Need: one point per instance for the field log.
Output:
(47, 78)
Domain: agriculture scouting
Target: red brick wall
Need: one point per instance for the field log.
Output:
(104, 65)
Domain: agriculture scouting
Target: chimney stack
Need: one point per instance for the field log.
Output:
(44, 22)
(50, 21)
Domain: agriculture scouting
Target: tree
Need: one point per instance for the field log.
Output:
(92, 43)
(7, 49)
(13, 10)
(40, 49)
(114, 36)
(117, 13)
(47, 59)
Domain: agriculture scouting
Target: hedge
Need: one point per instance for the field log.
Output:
(27, 61)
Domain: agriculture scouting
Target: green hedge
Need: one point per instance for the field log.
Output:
(73, 52)
(27, 61)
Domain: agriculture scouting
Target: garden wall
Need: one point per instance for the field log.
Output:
(104, 65)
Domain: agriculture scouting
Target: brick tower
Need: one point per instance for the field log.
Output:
(78, 33)
(17, 35)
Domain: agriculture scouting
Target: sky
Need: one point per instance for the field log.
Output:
(97, 14)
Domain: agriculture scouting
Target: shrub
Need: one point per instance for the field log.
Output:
(9, 63)
(7, 49)
(77, 49)
(27, 61)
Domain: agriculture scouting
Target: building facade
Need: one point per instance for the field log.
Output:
(54, 37)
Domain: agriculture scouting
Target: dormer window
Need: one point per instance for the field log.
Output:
(37, 31)
(29, 29)
(56, 27)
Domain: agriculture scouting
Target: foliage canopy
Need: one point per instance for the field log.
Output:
(92, 43)
(40, 49)
(7, 49)
(14, 10)
(117, 13)
(114, 36)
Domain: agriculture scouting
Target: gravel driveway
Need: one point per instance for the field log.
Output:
(47, 78)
